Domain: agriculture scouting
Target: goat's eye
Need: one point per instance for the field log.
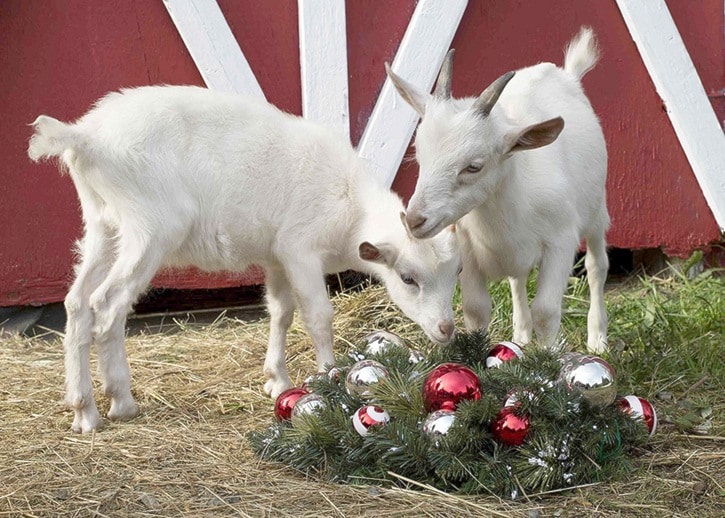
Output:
(473, 168)
(408, 279)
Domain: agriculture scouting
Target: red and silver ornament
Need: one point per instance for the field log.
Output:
(503, 352)
(641, 409)
(367, 417)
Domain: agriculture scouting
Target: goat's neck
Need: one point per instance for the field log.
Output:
(378, 222)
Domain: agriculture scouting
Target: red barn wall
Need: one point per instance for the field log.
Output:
(58, 57)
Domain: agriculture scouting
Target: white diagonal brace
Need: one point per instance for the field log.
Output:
(323, 63)
(213, 47)
(675, 78)
(419, 57)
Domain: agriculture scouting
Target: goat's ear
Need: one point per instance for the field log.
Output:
(382, 254)
(536, 135)
(410, 94)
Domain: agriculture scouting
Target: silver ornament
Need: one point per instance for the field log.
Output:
(415, 356)
(570, 356)
(591, 377)
(380, 341)
(363, 375)
(308, 404)
(438, 423)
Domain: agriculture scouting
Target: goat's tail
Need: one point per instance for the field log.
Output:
(582, 53)
(51, 138)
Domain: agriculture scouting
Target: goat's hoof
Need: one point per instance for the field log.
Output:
(274, 388)
(122, 410)
(85, 421)
(597, 347)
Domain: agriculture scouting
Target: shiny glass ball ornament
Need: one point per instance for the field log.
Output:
(363, 375)
(449, 384)
(415, 356)
(509, 428)
(503, 352)
(285, 402)
(335, 374)
(514, 397)
(438, 423)
(308, 404)
(380, 341)
(641, 409)
(591, 377)
(311, 378)
(367, 417)
(569, 357)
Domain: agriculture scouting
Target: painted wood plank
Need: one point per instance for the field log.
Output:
(213, 47)
(419, 57)
(323, 63)
(678, 84)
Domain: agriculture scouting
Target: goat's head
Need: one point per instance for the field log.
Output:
(460, 145)
(420, 276)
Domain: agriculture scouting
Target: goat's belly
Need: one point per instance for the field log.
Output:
(219, 253)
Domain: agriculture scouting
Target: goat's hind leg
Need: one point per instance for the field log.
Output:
(138, 259)
(96, 250)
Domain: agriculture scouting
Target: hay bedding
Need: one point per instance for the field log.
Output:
(200, 391)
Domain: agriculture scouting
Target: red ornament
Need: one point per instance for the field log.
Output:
(509, 428)
(503, 352)
(286, 402)
(447, 385)
(642, 409)
(367, 416)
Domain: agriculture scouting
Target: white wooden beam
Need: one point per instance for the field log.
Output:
(212, 46)
(323, 63)
(676, 80)
(418, 60)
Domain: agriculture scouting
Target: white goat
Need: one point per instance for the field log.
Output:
(178, 176)
(517, 206)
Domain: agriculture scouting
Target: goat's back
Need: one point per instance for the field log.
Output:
(573, 168)
(230, 174)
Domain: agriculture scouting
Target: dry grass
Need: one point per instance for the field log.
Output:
(200, 390)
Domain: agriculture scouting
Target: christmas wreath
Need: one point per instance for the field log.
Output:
(466, 417)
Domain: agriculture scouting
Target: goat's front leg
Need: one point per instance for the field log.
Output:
(523, 324)
(307, 279)
(280, 305)
(556, 264)
(477, 303)
(597, 265)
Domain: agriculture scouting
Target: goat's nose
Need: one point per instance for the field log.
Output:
(415, 220)
(446, 327)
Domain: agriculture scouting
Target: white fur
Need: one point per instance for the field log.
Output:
(179, 176)
(528, 206)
